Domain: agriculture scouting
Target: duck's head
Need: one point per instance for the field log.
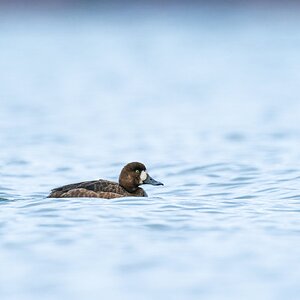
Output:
(133, 175)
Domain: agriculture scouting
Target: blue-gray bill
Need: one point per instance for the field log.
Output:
(150, 180)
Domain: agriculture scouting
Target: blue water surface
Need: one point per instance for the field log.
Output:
(208, 99)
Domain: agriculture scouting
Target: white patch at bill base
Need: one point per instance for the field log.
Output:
(143, 176)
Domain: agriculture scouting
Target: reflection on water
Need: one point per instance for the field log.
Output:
(208, 102)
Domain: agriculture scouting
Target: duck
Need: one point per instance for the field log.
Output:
(131, 177)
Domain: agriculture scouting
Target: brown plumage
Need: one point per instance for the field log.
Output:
(131, 177)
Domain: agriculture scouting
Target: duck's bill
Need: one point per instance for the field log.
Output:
(150, 180)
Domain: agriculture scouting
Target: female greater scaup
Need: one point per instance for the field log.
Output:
(131, 177)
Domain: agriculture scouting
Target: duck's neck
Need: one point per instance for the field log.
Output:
(139, 193)
(136, 192)
(128, 184)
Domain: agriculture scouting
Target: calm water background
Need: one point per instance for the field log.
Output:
(207, 99)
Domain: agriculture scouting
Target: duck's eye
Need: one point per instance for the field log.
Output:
(137, 171)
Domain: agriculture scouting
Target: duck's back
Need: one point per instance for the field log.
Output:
(96, 188)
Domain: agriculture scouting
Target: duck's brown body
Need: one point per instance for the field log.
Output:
(95, 189)
(132, 175)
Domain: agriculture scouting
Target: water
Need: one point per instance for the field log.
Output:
(208, 100)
